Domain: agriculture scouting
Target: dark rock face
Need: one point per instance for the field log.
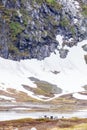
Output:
(40, 52)
(63, 53)
(85, 58)
(28, 28)
(84, 47)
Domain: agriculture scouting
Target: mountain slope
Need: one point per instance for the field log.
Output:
(29, 77)
(28, 28)
(51, 36)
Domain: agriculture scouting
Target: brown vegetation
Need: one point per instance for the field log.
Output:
(45, 124)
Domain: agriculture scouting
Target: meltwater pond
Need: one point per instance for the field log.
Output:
(15, 115)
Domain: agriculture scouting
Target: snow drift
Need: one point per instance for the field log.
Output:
(71, 76)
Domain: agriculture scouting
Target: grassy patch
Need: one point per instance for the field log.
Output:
(46, 124)
(55, 4)
(64, 22)
(82, 126)
(44, 88)
(20, 96)
(16, 28)
(13, 49)
(51, 1)
(72, 29)
(84, 10)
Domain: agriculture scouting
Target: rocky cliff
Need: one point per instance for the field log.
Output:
(28, 28)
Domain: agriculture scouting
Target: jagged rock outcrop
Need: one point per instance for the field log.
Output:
(28, 28)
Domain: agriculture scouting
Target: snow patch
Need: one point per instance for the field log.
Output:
(21, 108)
(59, 38)
(80, 96)
(33, 128)
(6, 98)
(72, 76)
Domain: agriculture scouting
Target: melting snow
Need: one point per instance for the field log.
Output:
(6, 98)
(80, 96)
(72, 76)
(21, 108)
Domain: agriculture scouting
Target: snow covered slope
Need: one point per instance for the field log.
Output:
(69, 74)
